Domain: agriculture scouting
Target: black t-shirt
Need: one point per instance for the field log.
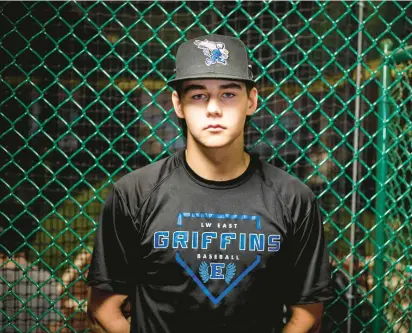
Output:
(207, 256)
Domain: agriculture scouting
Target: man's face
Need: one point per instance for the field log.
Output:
(215, 110)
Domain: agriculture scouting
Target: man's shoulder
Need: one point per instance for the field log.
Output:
(294, 193)
(144, 180)
(281, 180)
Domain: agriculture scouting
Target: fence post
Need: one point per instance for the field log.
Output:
(383, 110)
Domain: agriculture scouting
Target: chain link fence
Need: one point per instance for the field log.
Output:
(84, 101)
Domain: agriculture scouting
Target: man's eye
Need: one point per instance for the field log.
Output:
(199, 96)
(228, 95)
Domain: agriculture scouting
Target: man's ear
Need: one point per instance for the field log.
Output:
(177, 104)
(252, 101)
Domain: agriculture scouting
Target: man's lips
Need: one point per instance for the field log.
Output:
(215, 127)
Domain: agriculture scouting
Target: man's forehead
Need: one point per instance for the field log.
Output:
(212, 83)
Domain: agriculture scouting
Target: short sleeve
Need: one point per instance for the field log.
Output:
(110, 269)
(311, 271)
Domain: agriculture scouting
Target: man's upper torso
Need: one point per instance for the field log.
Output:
(200, 256)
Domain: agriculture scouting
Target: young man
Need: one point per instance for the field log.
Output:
(210, 239)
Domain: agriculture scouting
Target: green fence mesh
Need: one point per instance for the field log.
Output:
(397, 210)
(84, 101)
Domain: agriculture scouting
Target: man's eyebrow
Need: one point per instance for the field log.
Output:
(193, 87)
(231, 85)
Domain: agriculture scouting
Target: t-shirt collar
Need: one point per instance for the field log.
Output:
(219, 184)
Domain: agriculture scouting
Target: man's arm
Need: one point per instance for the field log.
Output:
(309, 280)
(306, 318)
(104, 312)
(110, 276)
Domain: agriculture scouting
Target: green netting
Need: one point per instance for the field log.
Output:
(84, 101)
(398, 207)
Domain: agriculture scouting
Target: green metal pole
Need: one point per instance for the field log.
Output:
(383, 109)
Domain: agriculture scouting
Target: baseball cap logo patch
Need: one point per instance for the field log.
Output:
(215, 52)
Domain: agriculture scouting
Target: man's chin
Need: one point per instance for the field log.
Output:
(210, 142)
(216, 141)
(213, 143)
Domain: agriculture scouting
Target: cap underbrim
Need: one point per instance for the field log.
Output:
(172, 83)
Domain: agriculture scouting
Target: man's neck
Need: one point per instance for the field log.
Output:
(217, 164)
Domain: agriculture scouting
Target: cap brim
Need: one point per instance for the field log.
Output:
(172, 83)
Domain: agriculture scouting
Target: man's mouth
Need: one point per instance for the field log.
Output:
(215, 127)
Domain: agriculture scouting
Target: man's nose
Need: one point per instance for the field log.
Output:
(213, 108)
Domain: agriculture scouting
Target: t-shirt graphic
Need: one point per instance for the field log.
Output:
(217, 250)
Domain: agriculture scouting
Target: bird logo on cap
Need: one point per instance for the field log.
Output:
(215, 52)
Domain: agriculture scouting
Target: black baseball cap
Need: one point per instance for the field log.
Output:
(212, 57)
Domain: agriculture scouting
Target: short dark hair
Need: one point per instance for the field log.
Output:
(182, 122)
